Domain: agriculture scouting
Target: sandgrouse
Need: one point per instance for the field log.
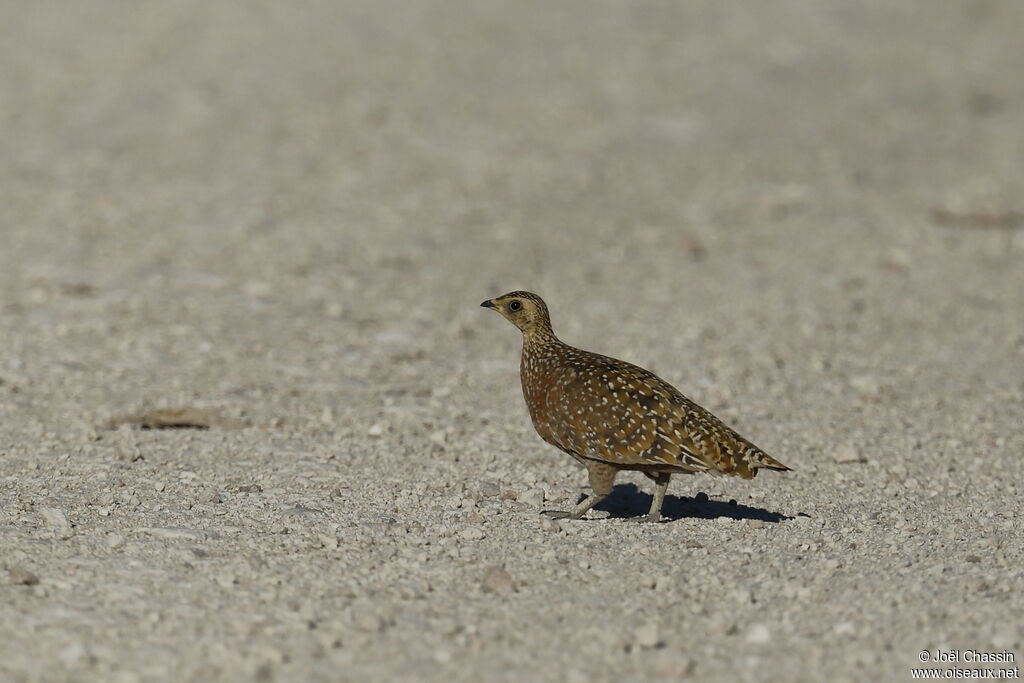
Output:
(611, 415)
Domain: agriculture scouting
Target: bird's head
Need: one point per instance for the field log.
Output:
(525, 310)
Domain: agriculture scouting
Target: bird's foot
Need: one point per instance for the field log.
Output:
(557, 514)
(646, 518)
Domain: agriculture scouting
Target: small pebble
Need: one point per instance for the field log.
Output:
(497, 580)
(648, 636)
(22, 577)
(74, 654)
(847, 454)
(226, 579)
(844, 628)
(210, 496)
(58, 522)
(866, 385)
(759, 634)
(1004, 640)
(534, 497)
(671, 666)
(366, 620)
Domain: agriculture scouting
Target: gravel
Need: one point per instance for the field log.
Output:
(255, 426)
(20, 576)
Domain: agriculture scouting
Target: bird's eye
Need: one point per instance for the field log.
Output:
(515, 306)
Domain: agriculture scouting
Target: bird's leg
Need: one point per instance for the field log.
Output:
(602, 479)
(576, 512)
(661, 480)
(660, 487)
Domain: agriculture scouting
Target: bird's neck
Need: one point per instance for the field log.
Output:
(539, 337)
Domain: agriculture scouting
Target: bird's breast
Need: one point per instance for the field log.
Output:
(543, 381)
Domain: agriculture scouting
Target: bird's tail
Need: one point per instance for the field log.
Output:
(751, 459)
(769, 463)
(759, 460)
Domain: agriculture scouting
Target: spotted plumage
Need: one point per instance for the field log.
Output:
(611, 415)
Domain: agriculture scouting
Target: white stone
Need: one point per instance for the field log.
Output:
(648, 636)
(58, 521)
(759, 634)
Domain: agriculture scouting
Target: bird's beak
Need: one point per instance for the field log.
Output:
(488, 304)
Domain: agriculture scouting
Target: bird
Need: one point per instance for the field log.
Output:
(611, 415)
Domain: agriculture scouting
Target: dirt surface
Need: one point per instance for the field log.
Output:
(263, 230)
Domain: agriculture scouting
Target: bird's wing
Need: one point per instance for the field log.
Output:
(625, 415)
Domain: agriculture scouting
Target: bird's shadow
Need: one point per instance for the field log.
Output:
(627, 500)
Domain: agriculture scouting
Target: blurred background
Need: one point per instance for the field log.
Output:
(177, 178)
(807, 215)
(194, 196)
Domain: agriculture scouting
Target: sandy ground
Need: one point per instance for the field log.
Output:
(283, 216)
